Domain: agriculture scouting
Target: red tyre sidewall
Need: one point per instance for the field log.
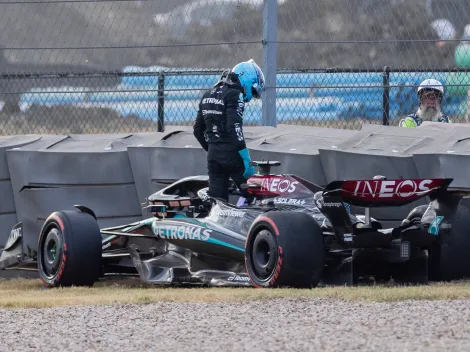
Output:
(263, 223)
(54, 220)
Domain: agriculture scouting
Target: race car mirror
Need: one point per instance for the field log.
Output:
(157, 208)
(264, 167)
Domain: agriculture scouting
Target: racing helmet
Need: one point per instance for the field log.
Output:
(251, 78)
(430, 85)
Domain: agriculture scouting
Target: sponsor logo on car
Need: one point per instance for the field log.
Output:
(278, 185)
(239, 278)
(332, 204)
(289, 201)
(434, 227)
(229, 213)
(15, 235)
(391, 188)
(184, 232)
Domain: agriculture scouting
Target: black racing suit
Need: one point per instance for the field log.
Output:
(219, 130)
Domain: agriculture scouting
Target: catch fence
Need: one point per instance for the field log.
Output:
(149, 101)
(120, 66)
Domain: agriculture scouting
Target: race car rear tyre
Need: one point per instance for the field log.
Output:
(285, 249)
(69, 249)
(450, 260)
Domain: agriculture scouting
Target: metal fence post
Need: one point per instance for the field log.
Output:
(269, 62)
(161, 102)
(386, 97)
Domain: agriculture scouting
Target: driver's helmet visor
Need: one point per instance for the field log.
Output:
(257, 87)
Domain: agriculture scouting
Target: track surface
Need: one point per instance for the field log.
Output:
(269, 325)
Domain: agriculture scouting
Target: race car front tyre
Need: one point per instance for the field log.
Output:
(69, 249)
(285, 249)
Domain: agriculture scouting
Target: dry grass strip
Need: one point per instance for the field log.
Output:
(28, 293)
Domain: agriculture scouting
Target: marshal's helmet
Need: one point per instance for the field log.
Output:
(430, 86)
(251, 78)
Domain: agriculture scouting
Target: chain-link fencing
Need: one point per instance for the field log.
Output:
(100, 66)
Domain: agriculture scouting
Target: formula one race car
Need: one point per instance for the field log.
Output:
(284, 231)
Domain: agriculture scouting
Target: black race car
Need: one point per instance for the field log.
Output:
(284, 231)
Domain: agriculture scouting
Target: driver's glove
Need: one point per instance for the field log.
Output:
(249, 170)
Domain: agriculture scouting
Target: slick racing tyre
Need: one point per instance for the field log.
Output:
(69, 249)
(450, 259)
(285, 249)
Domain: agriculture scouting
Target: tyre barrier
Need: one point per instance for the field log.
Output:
(57, 172)
(114, 173)
(297, 148)
(8, 217)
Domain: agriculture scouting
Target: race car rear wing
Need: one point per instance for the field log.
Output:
(381, 192)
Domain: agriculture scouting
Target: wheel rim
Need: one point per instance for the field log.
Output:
(264, 254)
(52, 253)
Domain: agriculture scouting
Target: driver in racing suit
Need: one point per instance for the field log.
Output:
(430, 94)
(219, 127)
